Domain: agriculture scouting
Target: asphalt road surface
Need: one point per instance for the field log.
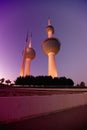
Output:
(71, 119)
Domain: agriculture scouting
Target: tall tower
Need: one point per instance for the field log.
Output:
(51, 47)
(28, 55)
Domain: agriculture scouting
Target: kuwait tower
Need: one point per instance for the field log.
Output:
(27, 56)
(51, 47)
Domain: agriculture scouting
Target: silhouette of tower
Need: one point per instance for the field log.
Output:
(51, 47)
(28, 55)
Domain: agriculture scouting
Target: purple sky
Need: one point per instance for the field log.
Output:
(69, 18)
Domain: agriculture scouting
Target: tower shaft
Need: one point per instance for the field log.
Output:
(22, 65)
(27, 66)
(52, 69)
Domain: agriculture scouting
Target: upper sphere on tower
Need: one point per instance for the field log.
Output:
(49, 28)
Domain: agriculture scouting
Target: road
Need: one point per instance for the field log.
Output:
(72, 119)
(21, 91)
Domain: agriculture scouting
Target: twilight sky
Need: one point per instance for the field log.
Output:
(69, 18)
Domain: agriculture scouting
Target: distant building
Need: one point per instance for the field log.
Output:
(27, 56)
(51, 47)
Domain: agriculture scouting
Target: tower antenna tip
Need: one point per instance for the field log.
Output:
(27, 37)
(30, 43)
(49, 21)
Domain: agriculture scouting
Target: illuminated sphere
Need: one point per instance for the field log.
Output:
(50, 28)
(51, 45)
(29, 53)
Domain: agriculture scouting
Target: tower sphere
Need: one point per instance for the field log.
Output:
(30, 53)
(51, 45)
(50, 28)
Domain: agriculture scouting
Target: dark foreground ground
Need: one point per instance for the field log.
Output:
(72, 119)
